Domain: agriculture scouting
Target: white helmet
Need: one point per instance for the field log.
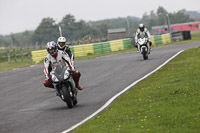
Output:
(61, 42)
(141, 27)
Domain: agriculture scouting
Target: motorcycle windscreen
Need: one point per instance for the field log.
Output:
(59, 72)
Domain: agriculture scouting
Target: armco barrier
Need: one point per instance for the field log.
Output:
(116, 45)
(153, 40)
(127, 43)
(72, 49)
(83, 50)
(98, 48)
(166, 38)
(106, 47)
(39, 55)
(88, 49)
(160, 39)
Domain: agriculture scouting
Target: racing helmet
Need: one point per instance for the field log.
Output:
(52, 48)
(61, 42)
(141, 27)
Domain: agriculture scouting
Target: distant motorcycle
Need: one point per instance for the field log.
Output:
(143, 46)
(64, 84)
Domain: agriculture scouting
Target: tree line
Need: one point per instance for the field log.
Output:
(75, 30)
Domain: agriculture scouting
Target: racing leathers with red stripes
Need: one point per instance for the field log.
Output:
(62, 59)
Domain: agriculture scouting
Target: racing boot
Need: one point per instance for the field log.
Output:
(76, 77)
(48, 84)
(150, 45)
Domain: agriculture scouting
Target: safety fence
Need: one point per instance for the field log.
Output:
(161, 39)
(89, 49)
(15, 55)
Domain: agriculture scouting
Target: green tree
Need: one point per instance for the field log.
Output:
(153, 19)
(179, 17)
(103, 29)
(145, 20)
(46, 31)
(68, 26)
(161, 13)
(75, 30)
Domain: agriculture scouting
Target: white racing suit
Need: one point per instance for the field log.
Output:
(62, 59)
(147, 34)
(66, 49)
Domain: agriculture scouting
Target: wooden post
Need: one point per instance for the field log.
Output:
(30, 55)
(28, 49)
(22, 54)
(14, 51)
(9, 60)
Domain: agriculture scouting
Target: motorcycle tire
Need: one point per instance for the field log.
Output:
(67, 97)
(75, 101)
(145, 57)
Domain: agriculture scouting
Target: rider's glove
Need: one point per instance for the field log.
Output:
(136, 40)
(49, 78)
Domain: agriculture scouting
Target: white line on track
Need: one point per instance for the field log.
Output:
(117, 95)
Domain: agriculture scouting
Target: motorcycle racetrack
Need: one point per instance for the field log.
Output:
(27, 106)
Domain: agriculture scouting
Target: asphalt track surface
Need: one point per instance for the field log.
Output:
(27, 106)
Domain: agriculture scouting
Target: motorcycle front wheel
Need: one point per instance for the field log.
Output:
(145, 56)
(67, 97)
(144, 53)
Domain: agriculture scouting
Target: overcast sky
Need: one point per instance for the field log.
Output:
(20, 15)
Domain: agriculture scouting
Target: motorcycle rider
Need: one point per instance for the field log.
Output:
(142, 30)
(65, 48)
(56, 56)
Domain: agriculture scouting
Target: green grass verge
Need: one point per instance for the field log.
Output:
(19, 64)
(167, 101)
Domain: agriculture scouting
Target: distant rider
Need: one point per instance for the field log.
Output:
(142, 30)
(55, 57)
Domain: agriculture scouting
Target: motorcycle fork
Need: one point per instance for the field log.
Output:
(148, 47)
(57, 88)
(72, 87)
(139, 48)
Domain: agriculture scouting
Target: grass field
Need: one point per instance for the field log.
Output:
(165, 102)
(19, 64)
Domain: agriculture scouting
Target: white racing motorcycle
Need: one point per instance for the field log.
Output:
(143, 46)
(64, 85)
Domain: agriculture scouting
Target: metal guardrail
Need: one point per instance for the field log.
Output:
(177, 36)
